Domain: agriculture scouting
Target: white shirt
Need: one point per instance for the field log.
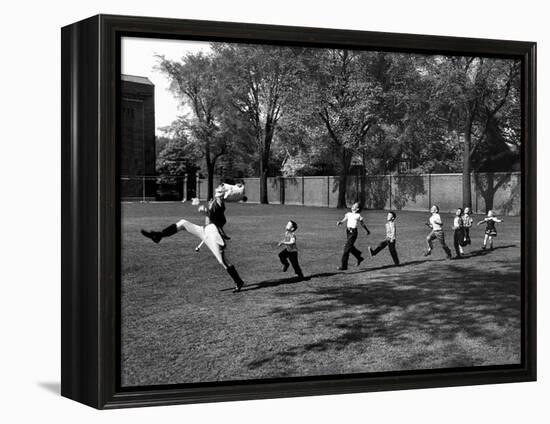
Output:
(435, 222)
(290, 237)
(353, 219)
(467, 220)
(390, 230)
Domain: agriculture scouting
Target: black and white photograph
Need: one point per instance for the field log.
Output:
(264, 213)
(292, 211)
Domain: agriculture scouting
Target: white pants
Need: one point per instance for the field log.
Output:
(211, 237)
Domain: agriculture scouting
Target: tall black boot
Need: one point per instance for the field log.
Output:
(157, 236)
(236, 278)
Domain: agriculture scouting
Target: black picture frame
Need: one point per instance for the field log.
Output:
(90, 211)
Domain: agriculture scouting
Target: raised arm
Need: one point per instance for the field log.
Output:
(482, 221)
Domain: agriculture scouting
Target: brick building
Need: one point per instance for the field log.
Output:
(138, 138)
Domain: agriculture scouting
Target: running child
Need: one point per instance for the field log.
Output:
(490, 229)
(458, 236)
(353, 219)
(290, 252)
(435, 223)
(390, 239)
(467, 221)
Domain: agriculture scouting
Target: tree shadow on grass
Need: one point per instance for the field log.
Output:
(468, 313)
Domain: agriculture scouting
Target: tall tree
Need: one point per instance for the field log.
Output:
(195, 81)
(259, 82)
(177, 155)
(343, 96)
(475, 91)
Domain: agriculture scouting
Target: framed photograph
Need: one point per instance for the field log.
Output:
(254, 211)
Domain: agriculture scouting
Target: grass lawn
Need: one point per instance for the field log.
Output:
(181, 323)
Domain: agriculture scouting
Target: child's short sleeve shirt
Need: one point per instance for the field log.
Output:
(435, 222)
(353, 218)
(290, 237)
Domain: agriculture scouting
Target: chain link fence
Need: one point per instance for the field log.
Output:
(498, 191)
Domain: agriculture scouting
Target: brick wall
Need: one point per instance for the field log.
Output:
(138, 137)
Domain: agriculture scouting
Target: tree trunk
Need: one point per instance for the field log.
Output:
(263, 180)
(210, 177)
(363, 183)
(490, 193)
(342, 183)
(466, 181)
(210, 168)
(264, 159)
(343, 179)
(489, 189)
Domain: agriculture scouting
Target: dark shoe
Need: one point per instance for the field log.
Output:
(427, 253)
(285, 267)
(361, 259)
(153, 235)
(238, 286)
(341, 268)
(483, 247)
(449, 257)
(370, 251)
(239, 283)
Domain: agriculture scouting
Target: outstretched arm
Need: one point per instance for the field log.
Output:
(481, 222)
(364, 226)
(342, 221)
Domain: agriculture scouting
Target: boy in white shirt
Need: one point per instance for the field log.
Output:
(353, 218)
(435, 223)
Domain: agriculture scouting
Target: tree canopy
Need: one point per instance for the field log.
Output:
(259, 110)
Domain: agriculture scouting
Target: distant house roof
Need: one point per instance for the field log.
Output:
(137, 79)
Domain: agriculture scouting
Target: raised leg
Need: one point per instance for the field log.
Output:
(283, 257)
(380, 246)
